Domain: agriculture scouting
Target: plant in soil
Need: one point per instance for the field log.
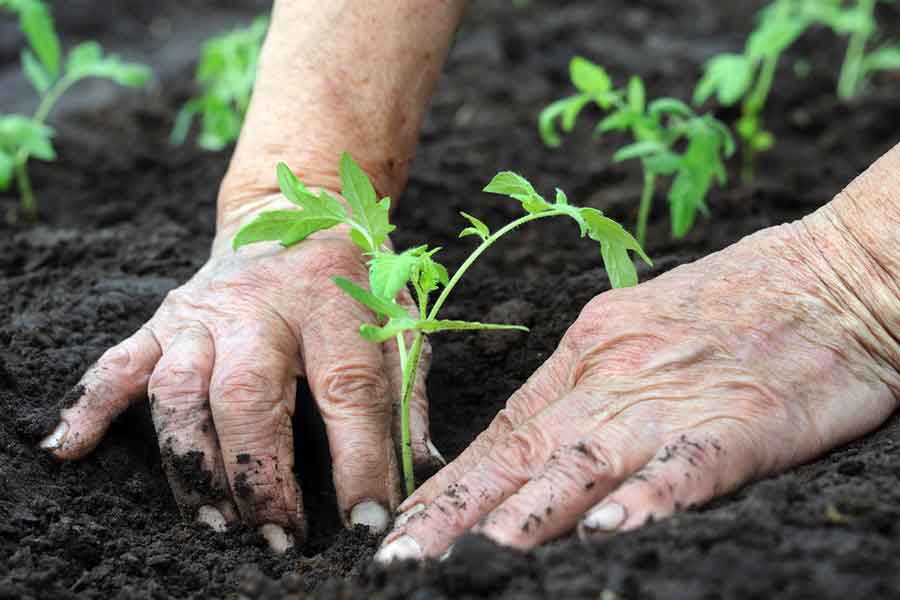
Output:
(226, 74)
(390, 272)
(668, 137)
(23, 136)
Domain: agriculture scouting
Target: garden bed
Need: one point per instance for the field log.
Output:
(125, 218)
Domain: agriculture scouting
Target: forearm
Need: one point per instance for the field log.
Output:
(334, 76)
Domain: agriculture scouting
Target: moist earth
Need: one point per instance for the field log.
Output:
(125, 218)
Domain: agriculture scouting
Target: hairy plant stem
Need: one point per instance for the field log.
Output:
(26, 192)
(851, 71)
(410, 360)
(752, 108)
(645, 206)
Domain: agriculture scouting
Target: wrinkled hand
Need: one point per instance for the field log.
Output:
(664, 396)
(219, 362)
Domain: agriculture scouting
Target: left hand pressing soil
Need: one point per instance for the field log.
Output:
(664, 396)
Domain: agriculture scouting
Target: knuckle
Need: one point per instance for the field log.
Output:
(330, 258)
(244, 384)
(180, 380)
(522, 451)
(592, 459)
(351, 383)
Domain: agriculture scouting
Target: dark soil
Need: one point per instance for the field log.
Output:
(125, 218)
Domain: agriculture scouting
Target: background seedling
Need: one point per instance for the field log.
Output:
(226, 74)
(390, 272)
(658, 129)
(22, 137)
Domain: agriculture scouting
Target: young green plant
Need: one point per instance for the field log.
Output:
(23, 137)
(390, 272)
(659, 129)
(226, 74)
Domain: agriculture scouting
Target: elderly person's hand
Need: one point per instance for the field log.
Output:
(219, 361)
(661, 397)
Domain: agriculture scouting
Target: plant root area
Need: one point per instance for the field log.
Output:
(125, 218)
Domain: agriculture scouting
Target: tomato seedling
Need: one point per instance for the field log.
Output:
(226, 74)
(390, 272)
(21, 136)
(658, 128)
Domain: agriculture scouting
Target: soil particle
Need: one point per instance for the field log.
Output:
(242, 487)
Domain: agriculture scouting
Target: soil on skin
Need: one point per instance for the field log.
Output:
(126, 218)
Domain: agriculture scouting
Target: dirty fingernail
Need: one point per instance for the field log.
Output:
(403, 548)
(432, 449)
(607, 518)
(279, 540)
(403, 517)
(371, 514)
(446, 554)
(211, 516)
(56, 439)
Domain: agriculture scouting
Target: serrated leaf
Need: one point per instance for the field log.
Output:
(639, 150)
(389, 273)
(515, 186)
(604, 229)
(35, 72)
(478, 227)
(429, 272)
(323, 205)
(379, 306)
(728, 76)
(589, 77)
(371, 215)
(390, 330)
(619, 266)
(436, 325)
(37, 24)
(288, 227)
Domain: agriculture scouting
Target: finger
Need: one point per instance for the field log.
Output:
(347, 377)
(252, 392)
(510, 464)
(574, 478)
(427, 460)
(547, 384)
(118, 379)
(179, 404)
(689, 470)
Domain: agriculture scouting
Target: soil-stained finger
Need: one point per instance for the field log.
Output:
(118, 379)
(252, 397)
(179, 404)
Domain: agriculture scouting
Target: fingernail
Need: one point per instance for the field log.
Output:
(211, 516)
(432, 449)
(279, 540)
(371, 514)
(402, 518)
(403, 548)
(607, 518)
(56, 439)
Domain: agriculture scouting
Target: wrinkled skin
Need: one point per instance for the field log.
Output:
(219, 362)
(664, 396)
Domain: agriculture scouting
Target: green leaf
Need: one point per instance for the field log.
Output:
(664, 163)
(604, 229)
(588, 77)
(429, 272)
(885, 58)
(183, 121)
(379, 306)
(35, 72)
(637, 95)
(87, 60)
(621, 120)
(566, 111)
(669, 106)
(478, 227)
(561, 198)
(394, 326)
(371, 215)
(324, 205)
(515, 186)
(20, 133)
(37, 24)
(286, 226)
(639, 150)
(389, 272)
(728, 76)
(619, 266)
(434, 326)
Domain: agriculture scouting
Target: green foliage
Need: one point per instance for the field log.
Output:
(659, 129)
(226, 74)
(23, 137)
(747, 78)
(368, 220)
